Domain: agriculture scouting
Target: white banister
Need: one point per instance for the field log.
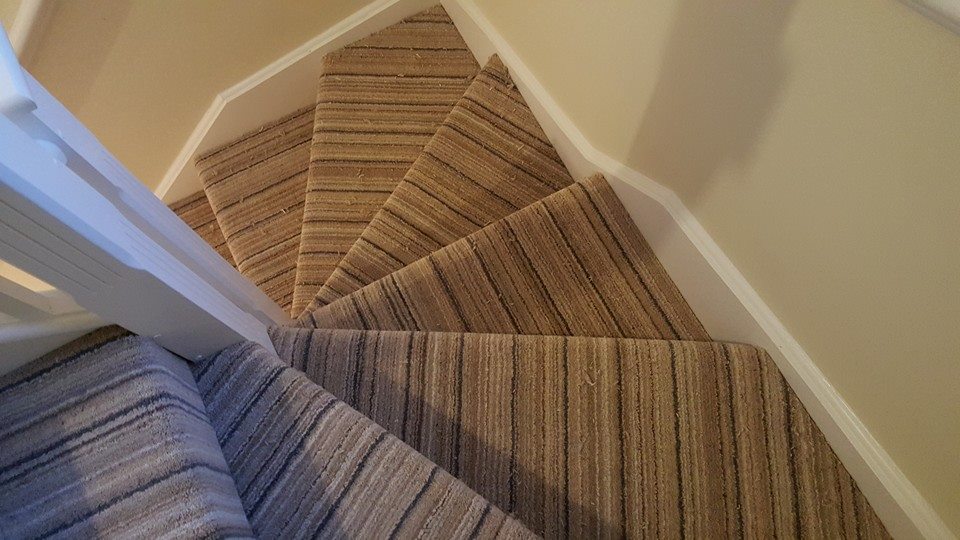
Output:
(14, 93)
(73, 216)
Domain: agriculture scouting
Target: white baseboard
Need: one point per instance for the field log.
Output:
(280, 88)
(730, 309)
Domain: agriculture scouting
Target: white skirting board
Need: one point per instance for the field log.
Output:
(280, 88)
(730, 309)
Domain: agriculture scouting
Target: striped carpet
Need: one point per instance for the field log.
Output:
(256, 187)
(196, 212)
(107, 437)
(489, 159)
(571, 264)
(379, 101)
(307, 465)
(589, 437)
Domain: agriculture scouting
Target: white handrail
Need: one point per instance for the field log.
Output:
(14, 93)
(73, 216)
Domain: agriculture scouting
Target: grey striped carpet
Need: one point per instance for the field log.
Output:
(570, 264)
(379, 101)
(108, 437)
(594, 437)
(489, 159)
(307, 465)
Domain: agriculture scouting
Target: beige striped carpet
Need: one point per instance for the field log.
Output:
(196, 212)
(571, 264)
(378, 103)
(255, 186)
(592, 438)
(509, 323)
(489, 159)
(309, 466)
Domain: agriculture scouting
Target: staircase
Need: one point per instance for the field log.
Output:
(483, 346)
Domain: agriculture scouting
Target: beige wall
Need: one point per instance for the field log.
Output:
(8, 11)
(818, 141)
(140, 74)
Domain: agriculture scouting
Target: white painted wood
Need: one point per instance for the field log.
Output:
(730, 309)
(14, 93)
(25, 341)
(91, 161)
(945, 12)
(280, 88)
(37, 293)
(21, 303)
(57, 227)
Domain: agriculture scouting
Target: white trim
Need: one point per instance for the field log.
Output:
(730, 309)
(28, 340)
(280, 88)
(728, 306)
(944, 12)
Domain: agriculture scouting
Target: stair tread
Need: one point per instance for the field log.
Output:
(196, 212)
(379, 101)
(108, 436)
(306, 463)
(489, 159)
(599, 437)
(572, 263)
(255, 186)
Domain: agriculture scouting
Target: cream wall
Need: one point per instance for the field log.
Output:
(8, 11)
(818, 141)
(141, 73)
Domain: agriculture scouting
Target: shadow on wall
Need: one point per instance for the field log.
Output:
(83, 55)
(720, 75)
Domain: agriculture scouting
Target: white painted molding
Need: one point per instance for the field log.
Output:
(14, 94)
(280, 88)
(730, 309)
(945, 12)
(728, 306)
(57, 227)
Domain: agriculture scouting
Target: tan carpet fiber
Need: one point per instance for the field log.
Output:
(255, 186)
(590, 437)
(489, 159)
(571, 264)
(379, 101)
(195, 211)
(307, 465)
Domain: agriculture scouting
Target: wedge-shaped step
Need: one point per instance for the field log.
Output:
(489, 159)
(196, 212)
(597, 437)
(379, 101)
(308, 465)
(108, 437)
(571, 264)
(255, 186)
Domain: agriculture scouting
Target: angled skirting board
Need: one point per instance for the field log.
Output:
(727, 305)
(280, 88)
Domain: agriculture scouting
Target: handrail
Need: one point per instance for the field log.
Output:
(14, 92)
(73, 216)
